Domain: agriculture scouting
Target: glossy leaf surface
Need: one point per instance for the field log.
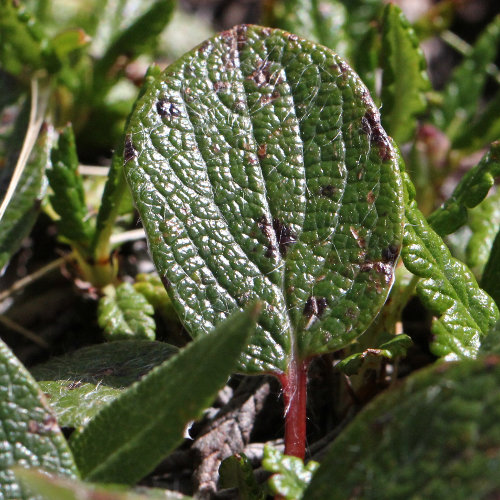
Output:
(404, 75)
(439, 428)
(57, 488)
(470, 191)
(29, 434)
(260, 170)
(465, 313)
(79, 384)
(131, 435)
(126, 314)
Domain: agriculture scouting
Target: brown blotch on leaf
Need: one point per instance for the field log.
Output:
(267, 230)
(383, 268)
(48, 425)
(220, 86)
(167, 109)
(370, 124)
(361, 242)
(370, 197)
(262, 151)
(315, 306)
(390, 254)
(284, 236)
(129, 151)
(261, 76)
(241, 35)
(328, 191)
(166, 282)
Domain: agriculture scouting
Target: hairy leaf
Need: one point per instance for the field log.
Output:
(463, 91)
(291, 476)
(68, 199)
(23, 208)
(260, 170)
(484, 221)
(491, 276)
(57, 488)
(321, 22)
(470, 191)
(464, 312)
(126, 313)
(29, 434)
(404, 75)
(439, 428)
(79, 384)
(153, 412)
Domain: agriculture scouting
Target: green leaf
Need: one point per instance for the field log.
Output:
(153, 412)
(79, 384)
(126, 314)
(252, 186)
(435, 436)
(464, 312)
(23, 42)
(57, 488)
(237, 472)
(463, 91)
(404, 79)
(291, 476)
(23, 209)
(68, 199)
(470, 191)
(491, 276)
(137, 38)
(29, 434)
(321, 22)
(484, 221)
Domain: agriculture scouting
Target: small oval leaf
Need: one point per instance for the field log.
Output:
(260, 170)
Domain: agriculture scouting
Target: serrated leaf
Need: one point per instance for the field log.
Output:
(126, 313)
(68, 199)
(463, 91)
(291, 476)
(404, 75)
(439, 428)
(484, 221)
(470, 191)
(154, 411)
(236, 471)
(56, 488)
(251, 186)
(321, 22)
(29, 434)
(491, 275)
(79, 384)
(24, 206)
(464, 312)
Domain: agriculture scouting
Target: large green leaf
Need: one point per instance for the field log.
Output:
(260, 170)
(29, 434)
(404, 75)
(465, 313)
(470, 191)
(434, 437)
(153, 412)
(79, 384)
(57, 488)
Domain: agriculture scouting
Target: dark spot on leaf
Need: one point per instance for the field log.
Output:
(361, 242)
(328, 191)
(241, 35)
(293, 37)
(315, 306)
(262, 151)
(383, 268)
(261, 76)
(74, 385)
(204, 47)
(267, 230)
(284, 236)
(48, 425)
(370, 197)
(167, 108)
(220, 85)
(370, 124)
(166, 282)
(129, 151)
(390, 254)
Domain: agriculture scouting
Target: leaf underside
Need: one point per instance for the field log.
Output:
(260, 170)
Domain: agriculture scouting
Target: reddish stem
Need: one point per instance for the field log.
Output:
(294, 385)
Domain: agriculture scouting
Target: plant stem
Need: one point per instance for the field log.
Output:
(294, 385)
